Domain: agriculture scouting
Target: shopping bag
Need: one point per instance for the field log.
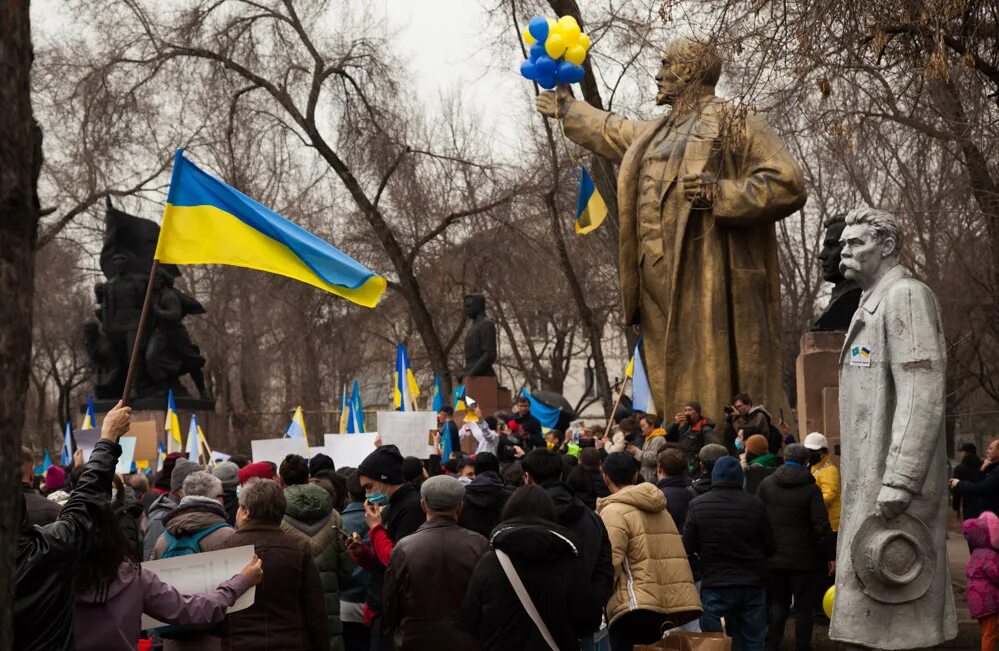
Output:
(683, 641)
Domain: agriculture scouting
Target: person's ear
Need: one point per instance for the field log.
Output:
(461, 507)
(527, 479)
(423, 505)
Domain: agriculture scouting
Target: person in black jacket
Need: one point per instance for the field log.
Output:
(544, 468)
(728, 532)
(671, 471)
(805, 542)
(527, 426)
(485, 496)
(392, 511)
(706, 459)
(969, 469)
(985, 491)
(586, 480)
(47, 556)
(546, 558)
(41, 510)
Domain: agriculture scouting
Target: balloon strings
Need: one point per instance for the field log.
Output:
(576, 165)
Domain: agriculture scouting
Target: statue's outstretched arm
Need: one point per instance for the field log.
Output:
(602, 132)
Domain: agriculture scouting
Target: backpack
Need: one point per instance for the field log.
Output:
(185, 545)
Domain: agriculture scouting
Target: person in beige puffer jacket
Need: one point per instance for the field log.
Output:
(654, 588)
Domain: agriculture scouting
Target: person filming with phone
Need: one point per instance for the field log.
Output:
(392, 511)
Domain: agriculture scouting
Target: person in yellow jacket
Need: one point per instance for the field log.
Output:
(826, 475)
(653, 585)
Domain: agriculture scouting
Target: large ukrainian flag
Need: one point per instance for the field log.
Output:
(208, 222)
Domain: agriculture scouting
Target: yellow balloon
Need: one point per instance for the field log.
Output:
(555, 45)
(827, 601)
(551, 25)
(575, 54)
(584, 42)
(528, 37)
(570, 33)
(568, 20)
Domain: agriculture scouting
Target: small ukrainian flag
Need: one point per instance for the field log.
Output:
(590, 207)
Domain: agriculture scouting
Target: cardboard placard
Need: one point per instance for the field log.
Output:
(275, 450)
(407, 430)
(146, 447)
(196, 573)
(349, 450)
(127, 444)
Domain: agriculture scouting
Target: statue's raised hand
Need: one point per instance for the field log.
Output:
(554, 103)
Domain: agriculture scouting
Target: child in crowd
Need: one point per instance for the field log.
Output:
(982, 571)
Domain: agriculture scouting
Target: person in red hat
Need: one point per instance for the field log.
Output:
(259, 469)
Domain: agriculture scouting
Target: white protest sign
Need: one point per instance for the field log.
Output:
(276, 450)
(318, 449)
(196, 573)
(219, 457)
(408, 431)
(349, 450)
(127, 444)
(86, 439)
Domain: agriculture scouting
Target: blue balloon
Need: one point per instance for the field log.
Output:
(537, 50)
(538, 27)
(569, 73)
(548, 82)
(528, 70)
(545, 66)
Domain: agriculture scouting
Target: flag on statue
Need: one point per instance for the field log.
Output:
(438, 397)
(175, 442)
(89, 420)
(194, 439)
(355, 413)
(405, 391)
(641, 392)
(296, 428)
(590, 207)
(67, 444)
(207, 221)
(344, 408)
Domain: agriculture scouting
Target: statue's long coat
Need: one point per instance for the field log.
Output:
(705, 288)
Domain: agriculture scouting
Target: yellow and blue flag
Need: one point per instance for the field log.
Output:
(641, 392)
(458, 399)
(405, 391)
(590, 207)
(172, 426)
(161, 455)
(67, 444)
(355, 414)
(194, 439)
(547, 415)
(89, 420)
(344, 409)
(46, 462)
(438, 401)
(296, 429)
(207, 222)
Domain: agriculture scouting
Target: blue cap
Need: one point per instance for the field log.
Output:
(727, 469)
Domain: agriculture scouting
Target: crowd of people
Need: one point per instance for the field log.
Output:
(524, 538)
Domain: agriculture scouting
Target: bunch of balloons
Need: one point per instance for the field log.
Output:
(558, 50)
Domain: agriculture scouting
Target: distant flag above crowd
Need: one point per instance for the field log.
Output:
(194, 439)
(296, 428)
(641, 392)
(438, 402)
(67, 444)
(89, 420)
(344, 408)
(459, 399)
(175, 442)
(161, 454)
(206, 221)
(546, 414)
(405, 391)
(46, 462)
(355, 413)
(590, 207)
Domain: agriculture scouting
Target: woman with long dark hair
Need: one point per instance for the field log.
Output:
(113, 591)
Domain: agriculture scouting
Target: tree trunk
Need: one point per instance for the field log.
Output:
(20, 163)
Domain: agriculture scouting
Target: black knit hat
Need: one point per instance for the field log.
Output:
(321, 462)
(384, 464)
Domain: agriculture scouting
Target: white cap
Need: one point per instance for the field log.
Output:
(816, 441)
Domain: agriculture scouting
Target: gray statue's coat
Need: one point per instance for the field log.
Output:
(892, 424)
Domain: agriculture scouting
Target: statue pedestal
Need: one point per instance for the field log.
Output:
(487, 392)
(818, 386)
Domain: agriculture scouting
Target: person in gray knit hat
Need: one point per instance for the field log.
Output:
(429, 573)
(228, 474)
(164, 504)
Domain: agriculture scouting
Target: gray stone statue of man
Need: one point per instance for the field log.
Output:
(893, 587)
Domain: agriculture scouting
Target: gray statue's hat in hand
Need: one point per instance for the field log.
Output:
(895, 560)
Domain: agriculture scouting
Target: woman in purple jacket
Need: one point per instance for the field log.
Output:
(113, 591)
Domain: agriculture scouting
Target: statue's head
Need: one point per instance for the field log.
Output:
(871, 241)
(687, 64)
(475, 304)
(829, 257)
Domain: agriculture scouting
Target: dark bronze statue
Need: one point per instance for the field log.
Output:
(846, 293)
(480, 342)
(170, 353)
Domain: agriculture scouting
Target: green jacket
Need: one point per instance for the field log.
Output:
(769, 460)
(309, 513)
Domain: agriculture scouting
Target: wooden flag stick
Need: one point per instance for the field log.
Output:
(140, 333)
(617, 404)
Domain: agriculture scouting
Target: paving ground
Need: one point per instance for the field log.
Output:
(968, 637)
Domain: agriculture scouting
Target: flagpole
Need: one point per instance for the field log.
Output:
(617, 404)
(141, 332)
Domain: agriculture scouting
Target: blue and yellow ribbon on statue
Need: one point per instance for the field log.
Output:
(208, 222)
(590, 207)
